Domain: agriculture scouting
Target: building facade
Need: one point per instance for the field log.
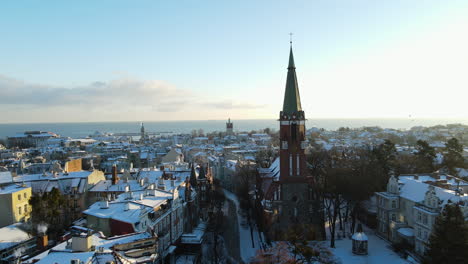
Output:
(14, 204)
(408, 208)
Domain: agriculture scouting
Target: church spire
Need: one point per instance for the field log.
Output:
(292, 100)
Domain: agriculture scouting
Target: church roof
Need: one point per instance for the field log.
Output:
(292, 99)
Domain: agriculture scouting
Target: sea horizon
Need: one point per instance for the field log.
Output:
(84, 129)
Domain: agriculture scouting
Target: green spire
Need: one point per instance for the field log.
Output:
(292, 100)
(201, 173)
(193, 177)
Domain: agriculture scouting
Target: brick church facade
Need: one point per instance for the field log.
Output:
(285, 187)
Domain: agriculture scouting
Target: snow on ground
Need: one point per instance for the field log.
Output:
(247, 250)
(379, 251)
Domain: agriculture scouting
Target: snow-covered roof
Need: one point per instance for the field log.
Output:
(34, 134)
(359, 236)
(66, 257)
(416, 191)
(123, 211)
(62, 254)
(50, 176)
(5, 177)
(196, 237)
(12, 188)
(129, 206)
(406, 231)
(273, 171)
(11, 236)
(107, 186)
(109, 242)
(446, 179)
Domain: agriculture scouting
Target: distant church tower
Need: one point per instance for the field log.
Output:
(142, 133)
(295, 203)
(229, 127)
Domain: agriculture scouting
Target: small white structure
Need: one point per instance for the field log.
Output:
(359, 242)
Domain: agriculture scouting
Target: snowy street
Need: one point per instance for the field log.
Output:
(249, 239)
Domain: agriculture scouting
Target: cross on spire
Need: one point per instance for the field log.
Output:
(290, 38)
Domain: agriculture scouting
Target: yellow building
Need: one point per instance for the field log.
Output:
(14, 204)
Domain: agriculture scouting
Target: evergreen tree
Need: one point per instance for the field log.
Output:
(385, 156)
(425, 156)
(453, 157)
(448, 242)
(52, 209)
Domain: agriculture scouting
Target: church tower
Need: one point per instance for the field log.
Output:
(229, 127)
(142, 133)
(292, 131)
(295, 205)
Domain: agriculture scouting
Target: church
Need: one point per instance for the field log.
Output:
(285, 189)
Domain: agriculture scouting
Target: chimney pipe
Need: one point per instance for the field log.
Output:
(42, 242)
(115, 178)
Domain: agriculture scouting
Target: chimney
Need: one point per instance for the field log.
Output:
(104, 204)
(42, 242)
(82, 242)
(115, 178)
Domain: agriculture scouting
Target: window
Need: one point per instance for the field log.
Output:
(419, 216)
(419, 232)
(19, 210)
(284, 144)
(19, 197)
(393, 204)
(25, 195)
(290, 165)
(25, 208)
(298, 170)
(393, 217)
(424, 219)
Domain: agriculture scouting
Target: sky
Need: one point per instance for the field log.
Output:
(110, 60)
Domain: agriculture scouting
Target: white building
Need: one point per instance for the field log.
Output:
(31, 139)
(407, 210)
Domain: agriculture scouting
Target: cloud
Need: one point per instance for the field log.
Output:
(116, 92)
(120, 99)
(229, 104)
